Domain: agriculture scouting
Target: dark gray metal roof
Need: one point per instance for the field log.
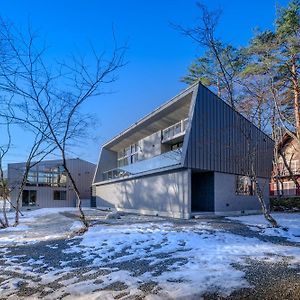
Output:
(221, 139)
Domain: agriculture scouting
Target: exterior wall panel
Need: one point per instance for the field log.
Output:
(226, 199)
(164, 194)
(107, 161)
(218, 139)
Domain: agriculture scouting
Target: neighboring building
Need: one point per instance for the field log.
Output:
(281, 182)
(187, 156)
(48, 184)
(4, 191)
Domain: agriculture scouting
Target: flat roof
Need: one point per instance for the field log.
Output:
(165, 115)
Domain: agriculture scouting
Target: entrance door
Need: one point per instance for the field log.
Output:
(203, 192)
(29, 198)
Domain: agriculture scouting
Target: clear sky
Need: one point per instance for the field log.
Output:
(157, 57)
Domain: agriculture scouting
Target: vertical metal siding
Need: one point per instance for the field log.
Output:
(217, 140)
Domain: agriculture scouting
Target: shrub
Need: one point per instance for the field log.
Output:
(292, 203)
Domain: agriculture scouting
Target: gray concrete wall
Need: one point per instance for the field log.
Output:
(226, 199)
(165, 194)
(150, 146)
(107, 161)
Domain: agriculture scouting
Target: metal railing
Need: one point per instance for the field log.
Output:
(285, 172)
(285, 192)
(115, 173)
(174, 130)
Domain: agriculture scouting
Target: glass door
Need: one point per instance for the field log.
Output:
(29, 198)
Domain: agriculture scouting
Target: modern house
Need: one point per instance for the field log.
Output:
(192, 154)
(286, 170)
(48, 184)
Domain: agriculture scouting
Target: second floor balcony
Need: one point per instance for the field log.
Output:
(284, 171)
(163, 160)
(175, 131)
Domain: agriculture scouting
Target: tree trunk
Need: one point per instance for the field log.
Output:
(259, 115)
(4, 212)
(82, 215)
(296, 96)
(219, 88)
(260, 197)
(258, 190)
(17, 214)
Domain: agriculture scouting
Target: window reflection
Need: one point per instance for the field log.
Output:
(47, 176)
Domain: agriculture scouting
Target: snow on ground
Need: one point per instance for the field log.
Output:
(202, 257)
(34, 226)
(289, 223)
(155, 260)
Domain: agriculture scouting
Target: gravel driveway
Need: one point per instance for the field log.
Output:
(58, 266)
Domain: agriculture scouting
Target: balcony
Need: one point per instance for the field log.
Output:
(175, 132)
(115, 173)
(285, 172)
(163, 160)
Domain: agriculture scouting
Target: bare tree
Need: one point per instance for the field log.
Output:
(4, 189)
(39, 150)
(227, 60)
(251, 154)
(50, 102)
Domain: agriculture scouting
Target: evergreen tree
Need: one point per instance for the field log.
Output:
(288, 37)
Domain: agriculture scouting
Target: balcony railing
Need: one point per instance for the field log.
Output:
(285, 192)
(115, 173)
(174, 131)
(285, 172)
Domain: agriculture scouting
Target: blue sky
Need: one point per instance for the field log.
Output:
(157, 56)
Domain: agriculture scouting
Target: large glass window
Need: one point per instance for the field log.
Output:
(47, 176)
(176, 146)
(127, 156)
(59, 195)
(289, 188)
(244, 186)
(29, 198)
(59, 176)
(32, 178)
(177, 128)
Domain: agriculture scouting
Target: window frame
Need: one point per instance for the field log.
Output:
(128, 155)
(60, 198)
(251, 186)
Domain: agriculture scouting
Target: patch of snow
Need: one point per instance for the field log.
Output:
(290, 221)
(183, 260)
(113, 215)
(20, 227)
(208, 257)
(40, 225)
(7, 205)
(76, 226)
